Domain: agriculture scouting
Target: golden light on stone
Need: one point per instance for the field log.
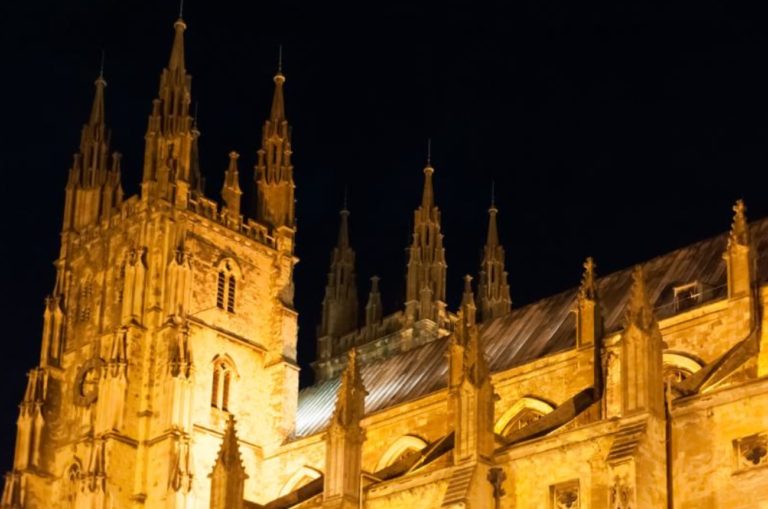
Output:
(168, 375)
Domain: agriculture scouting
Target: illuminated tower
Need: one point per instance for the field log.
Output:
(170, 314)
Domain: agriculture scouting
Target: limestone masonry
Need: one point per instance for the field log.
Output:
(168, 376)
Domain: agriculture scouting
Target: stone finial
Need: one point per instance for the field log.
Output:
(350, 403)
(588, 288)
(468, 308)
(739, 228)
(639, 308)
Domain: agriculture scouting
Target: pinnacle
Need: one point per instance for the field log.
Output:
(97, 110)
(229, 453)
(739, 227)
(493, 231)
(428, 197)
(587, 289)
(639, 308)
(344, 228)
(177, 52)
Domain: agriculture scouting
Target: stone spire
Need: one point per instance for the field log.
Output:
(228, 475)
(230, 191)
(345, 437)
(493, 287)
(170, 137)
(93, 187)
(274, 171)
(738, 255)
(373, 308)
(641, 353)
(340, 305)
(425, 280)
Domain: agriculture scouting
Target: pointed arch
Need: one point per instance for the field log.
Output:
(228, 273)
(679, 365)
(526, 410)
(399, 448)
(222, 380)
(303, 476)
(70, 481)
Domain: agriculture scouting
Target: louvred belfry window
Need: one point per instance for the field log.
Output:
(226, 287)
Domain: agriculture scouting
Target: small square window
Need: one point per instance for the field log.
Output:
(751, 451)
(565, 495)
(687, 296)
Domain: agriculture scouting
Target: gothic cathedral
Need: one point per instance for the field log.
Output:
(168, 375)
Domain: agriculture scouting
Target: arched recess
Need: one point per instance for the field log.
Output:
(224, 375)
(399, 448)
(303, 476)
(678, 366)
(70, 483)
(526, 410)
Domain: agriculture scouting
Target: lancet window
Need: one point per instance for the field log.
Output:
(223, 373)
(226, 287)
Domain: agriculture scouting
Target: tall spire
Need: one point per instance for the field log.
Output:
(90, 171)
(425, 280)
(493, 287)
(170, 137)
(274, 171)
(340, 305)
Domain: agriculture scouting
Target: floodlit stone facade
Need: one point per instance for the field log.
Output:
(167, 375)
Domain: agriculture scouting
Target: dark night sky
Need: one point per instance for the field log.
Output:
(620, 132)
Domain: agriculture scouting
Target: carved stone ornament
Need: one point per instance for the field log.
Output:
(621, 494)
(752, 451)
(87, 382)
(566, 496)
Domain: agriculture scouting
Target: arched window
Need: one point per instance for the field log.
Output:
(69, 486)
(226, 286)
(400, 448)
(521, 414)
(223, 372)
(303, 476)
(679, 366)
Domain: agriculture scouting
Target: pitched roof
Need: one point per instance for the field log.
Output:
(534, 331)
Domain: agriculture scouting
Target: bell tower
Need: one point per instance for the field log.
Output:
(170, 315)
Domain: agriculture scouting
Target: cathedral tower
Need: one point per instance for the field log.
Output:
(170, 314)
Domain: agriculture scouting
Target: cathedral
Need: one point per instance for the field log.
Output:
(168, 375)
